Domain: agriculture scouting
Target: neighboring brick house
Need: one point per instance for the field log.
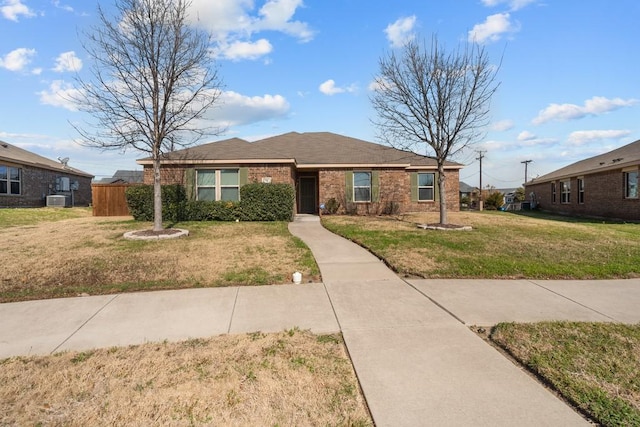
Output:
(604, 186)
(26, 179)
(364, 177)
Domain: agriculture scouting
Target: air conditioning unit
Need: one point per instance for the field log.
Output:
(58, 201)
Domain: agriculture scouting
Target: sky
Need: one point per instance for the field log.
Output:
(568, 71)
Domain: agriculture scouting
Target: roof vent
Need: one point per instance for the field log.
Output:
(617, 160)
(5, 145)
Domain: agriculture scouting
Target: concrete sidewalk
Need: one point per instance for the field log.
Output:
(416, 359)
(417, 364)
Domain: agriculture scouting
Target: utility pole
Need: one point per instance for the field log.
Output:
(526, 163)
(480, 157)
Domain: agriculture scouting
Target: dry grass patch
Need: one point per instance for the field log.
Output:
(595, 366)
(290, 378)
(89, 255)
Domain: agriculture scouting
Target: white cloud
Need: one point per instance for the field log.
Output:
(525, 136)
(60, 94)
(65, 7)
(233, 23)
(502, 125)
(492, 29)
(513, 4)
(236, 109)
(529, 139)
(581, 137)
(592, 107)
(329, 88)
(68, 61)
(12, 9)
(401, 31)
(277, 15)
(17, 59)
(244, 50)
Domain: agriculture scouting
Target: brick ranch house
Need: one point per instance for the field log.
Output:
(604, 186)
(364, 177)
(26, 179)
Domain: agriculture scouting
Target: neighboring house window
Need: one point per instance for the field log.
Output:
(631, 185)
(581, 191)
(218, 184)
(565, 191)
(553, 192)
(10, 180)
(362, 186)
(426, 188)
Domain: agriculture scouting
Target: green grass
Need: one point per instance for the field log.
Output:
(595, 366)
(501, 245)
(11, 217)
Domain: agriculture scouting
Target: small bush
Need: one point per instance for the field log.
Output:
(332, 206)
(199, 210)
(140, 202)
(266, 202)
(494, 201)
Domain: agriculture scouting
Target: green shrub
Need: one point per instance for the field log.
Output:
(494, 201)
(199, 210)
(140, 202)
(260, 202)
(266, 202)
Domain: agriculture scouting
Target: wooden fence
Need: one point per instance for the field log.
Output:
(109, 199)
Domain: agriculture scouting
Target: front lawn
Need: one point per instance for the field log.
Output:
(49, 256)
(501, 246)
(292, 378)
(595, 366)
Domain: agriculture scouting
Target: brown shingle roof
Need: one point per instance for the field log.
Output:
(305, 149)
(627, 155)
(11, 153)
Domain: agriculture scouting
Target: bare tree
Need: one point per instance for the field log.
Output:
(434, 97)
(153, 79)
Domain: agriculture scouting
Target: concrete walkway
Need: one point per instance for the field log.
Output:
(417, 362)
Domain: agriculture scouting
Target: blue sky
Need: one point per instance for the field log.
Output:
(569, 74)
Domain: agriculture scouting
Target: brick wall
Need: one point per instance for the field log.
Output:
(38, 183)
(603, 197)
(395, 188)
(279, 174)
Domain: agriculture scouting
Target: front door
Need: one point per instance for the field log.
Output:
(307, 195)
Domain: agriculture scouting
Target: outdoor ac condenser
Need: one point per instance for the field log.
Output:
(56, 201)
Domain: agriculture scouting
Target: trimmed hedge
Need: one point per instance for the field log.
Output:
(140, 202)
(259, 202)
(266, 202)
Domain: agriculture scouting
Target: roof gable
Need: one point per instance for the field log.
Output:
(11, 153)
(627, 155)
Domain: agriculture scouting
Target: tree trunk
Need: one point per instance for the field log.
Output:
(443, 194)
(157, 195)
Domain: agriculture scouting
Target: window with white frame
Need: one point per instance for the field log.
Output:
(10, 180)
(426, 187)
(631, 185)
(565, 191)
(218, 184)
(553, 192)
(362, 186)
(581, 190)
